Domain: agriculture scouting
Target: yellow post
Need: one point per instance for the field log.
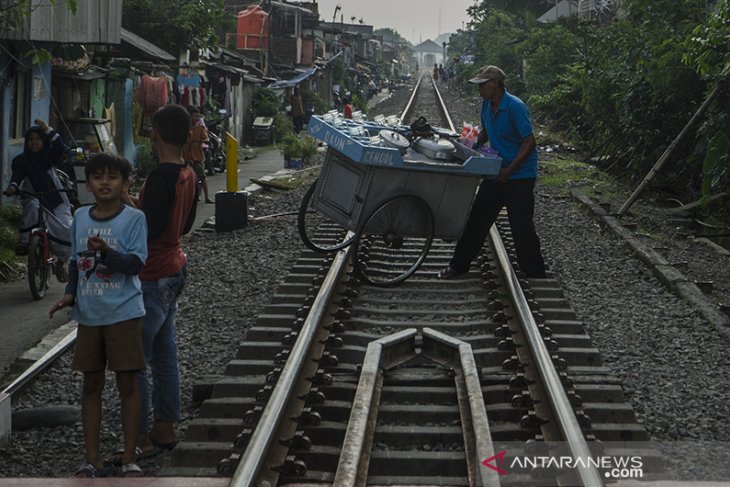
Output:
(231, 163)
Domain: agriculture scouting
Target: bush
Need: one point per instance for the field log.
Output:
(309, 97)
(10, 218)
(358, 104)
(283, 125)
(265, 103)
(12, 214)
(293, 147)
(308, 147)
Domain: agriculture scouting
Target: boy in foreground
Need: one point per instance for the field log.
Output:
(108, 250)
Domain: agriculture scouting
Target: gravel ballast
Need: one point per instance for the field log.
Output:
(672, 363)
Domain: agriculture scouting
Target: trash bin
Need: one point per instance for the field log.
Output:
(231, 211)
(263, 131)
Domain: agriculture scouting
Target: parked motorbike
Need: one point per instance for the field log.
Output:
(215, 160)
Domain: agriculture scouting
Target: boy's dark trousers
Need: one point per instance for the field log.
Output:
(519, 198)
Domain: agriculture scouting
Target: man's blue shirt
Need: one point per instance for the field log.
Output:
(507, 129)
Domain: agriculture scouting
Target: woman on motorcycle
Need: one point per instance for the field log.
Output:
(35, 171)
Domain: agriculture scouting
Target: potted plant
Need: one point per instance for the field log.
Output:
(297, 150)
(291, 148)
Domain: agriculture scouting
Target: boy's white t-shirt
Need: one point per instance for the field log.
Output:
(105, 297)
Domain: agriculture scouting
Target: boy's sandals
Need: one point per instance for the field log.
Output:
(139, 454)
(131, 470)
(86, 470)
(89, 471)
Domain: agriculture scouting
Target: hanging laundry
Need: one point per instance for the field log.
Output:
(152, 94)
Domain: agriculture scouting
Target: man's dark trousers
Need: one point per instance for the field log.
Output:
(519, 198)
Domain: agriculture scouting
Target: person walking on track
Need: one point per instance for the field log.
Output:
(507, 126)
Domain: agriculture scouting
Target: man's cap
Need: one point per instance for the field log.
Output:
(488, 73)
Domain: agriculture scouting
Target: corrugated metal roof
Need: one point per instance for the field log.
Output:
(95, 22)
(146, 46)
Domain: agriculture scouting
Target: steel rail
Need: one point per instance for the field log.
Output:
(410, 100)
(394, 350)
(444, 110)
(29, 374)
(264, 435)
(566, 420)
(474, 421)
(352, 468)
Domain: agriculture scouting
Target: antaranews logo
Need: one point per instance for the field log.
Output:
(499, 458)
(613, 467)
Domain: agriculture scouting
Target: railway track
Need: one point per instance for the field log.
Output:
(345, 383)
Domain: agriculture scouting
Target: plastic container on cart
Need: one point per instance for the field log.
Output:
(439, 149)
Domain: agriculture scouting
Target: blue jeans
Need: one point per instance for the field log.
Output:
(159, 340)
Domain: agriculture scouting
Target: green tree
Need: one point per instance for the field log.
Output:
(492, 39)
(624, 88)
(178, 24)
(707, 50)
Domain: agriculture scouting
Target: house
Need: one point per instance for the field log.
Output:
(563, 8)
(27, 80)
(428, 53)
(233, 78)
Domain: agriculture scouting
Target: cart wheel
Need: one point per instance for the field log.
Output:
(38, 268)
(394, 241)
(318, 232)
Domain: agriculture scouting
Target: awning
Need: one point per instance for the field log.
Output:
(294, 81)
(252, 79)
(146, 46)
(291, 7)
(88, 75)
(225, 67)
(362, 67)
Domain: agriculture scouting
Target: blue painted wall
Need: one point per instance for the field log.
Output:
(124, 138)
(39, 92)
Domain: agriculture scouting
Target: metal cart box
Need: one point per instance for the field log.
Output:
(358, 176)
(348, 192)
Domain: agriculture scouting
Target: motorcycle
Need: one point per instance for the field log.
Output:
(215, 160)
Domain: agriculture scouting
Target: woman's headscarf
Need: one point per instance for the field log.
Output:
(41, 158)
(37, 165)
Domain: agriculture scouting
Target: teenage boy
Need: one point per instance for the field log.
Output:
(168, 200)
(108, 250)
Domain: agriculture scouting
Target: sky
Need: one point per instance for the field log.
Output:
(415, 20)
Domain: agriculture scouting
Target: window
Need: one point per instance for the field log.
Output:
(20, 105)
